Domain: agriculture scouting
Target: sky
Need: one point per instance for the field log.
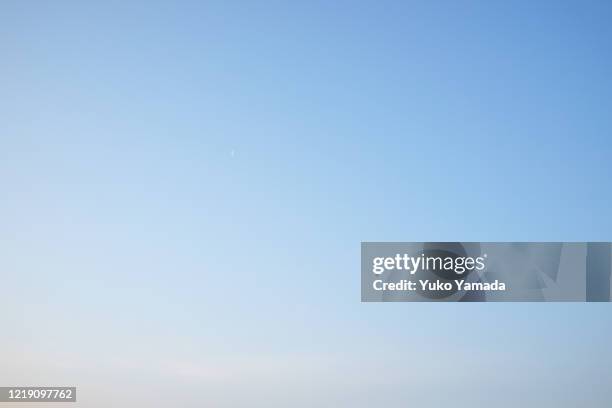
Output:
(185, 186)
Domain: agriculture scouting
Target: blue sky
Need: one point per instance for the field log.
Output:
(185, 187)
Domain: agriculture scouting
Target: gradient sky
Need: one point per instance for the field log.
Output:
(184, 187)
